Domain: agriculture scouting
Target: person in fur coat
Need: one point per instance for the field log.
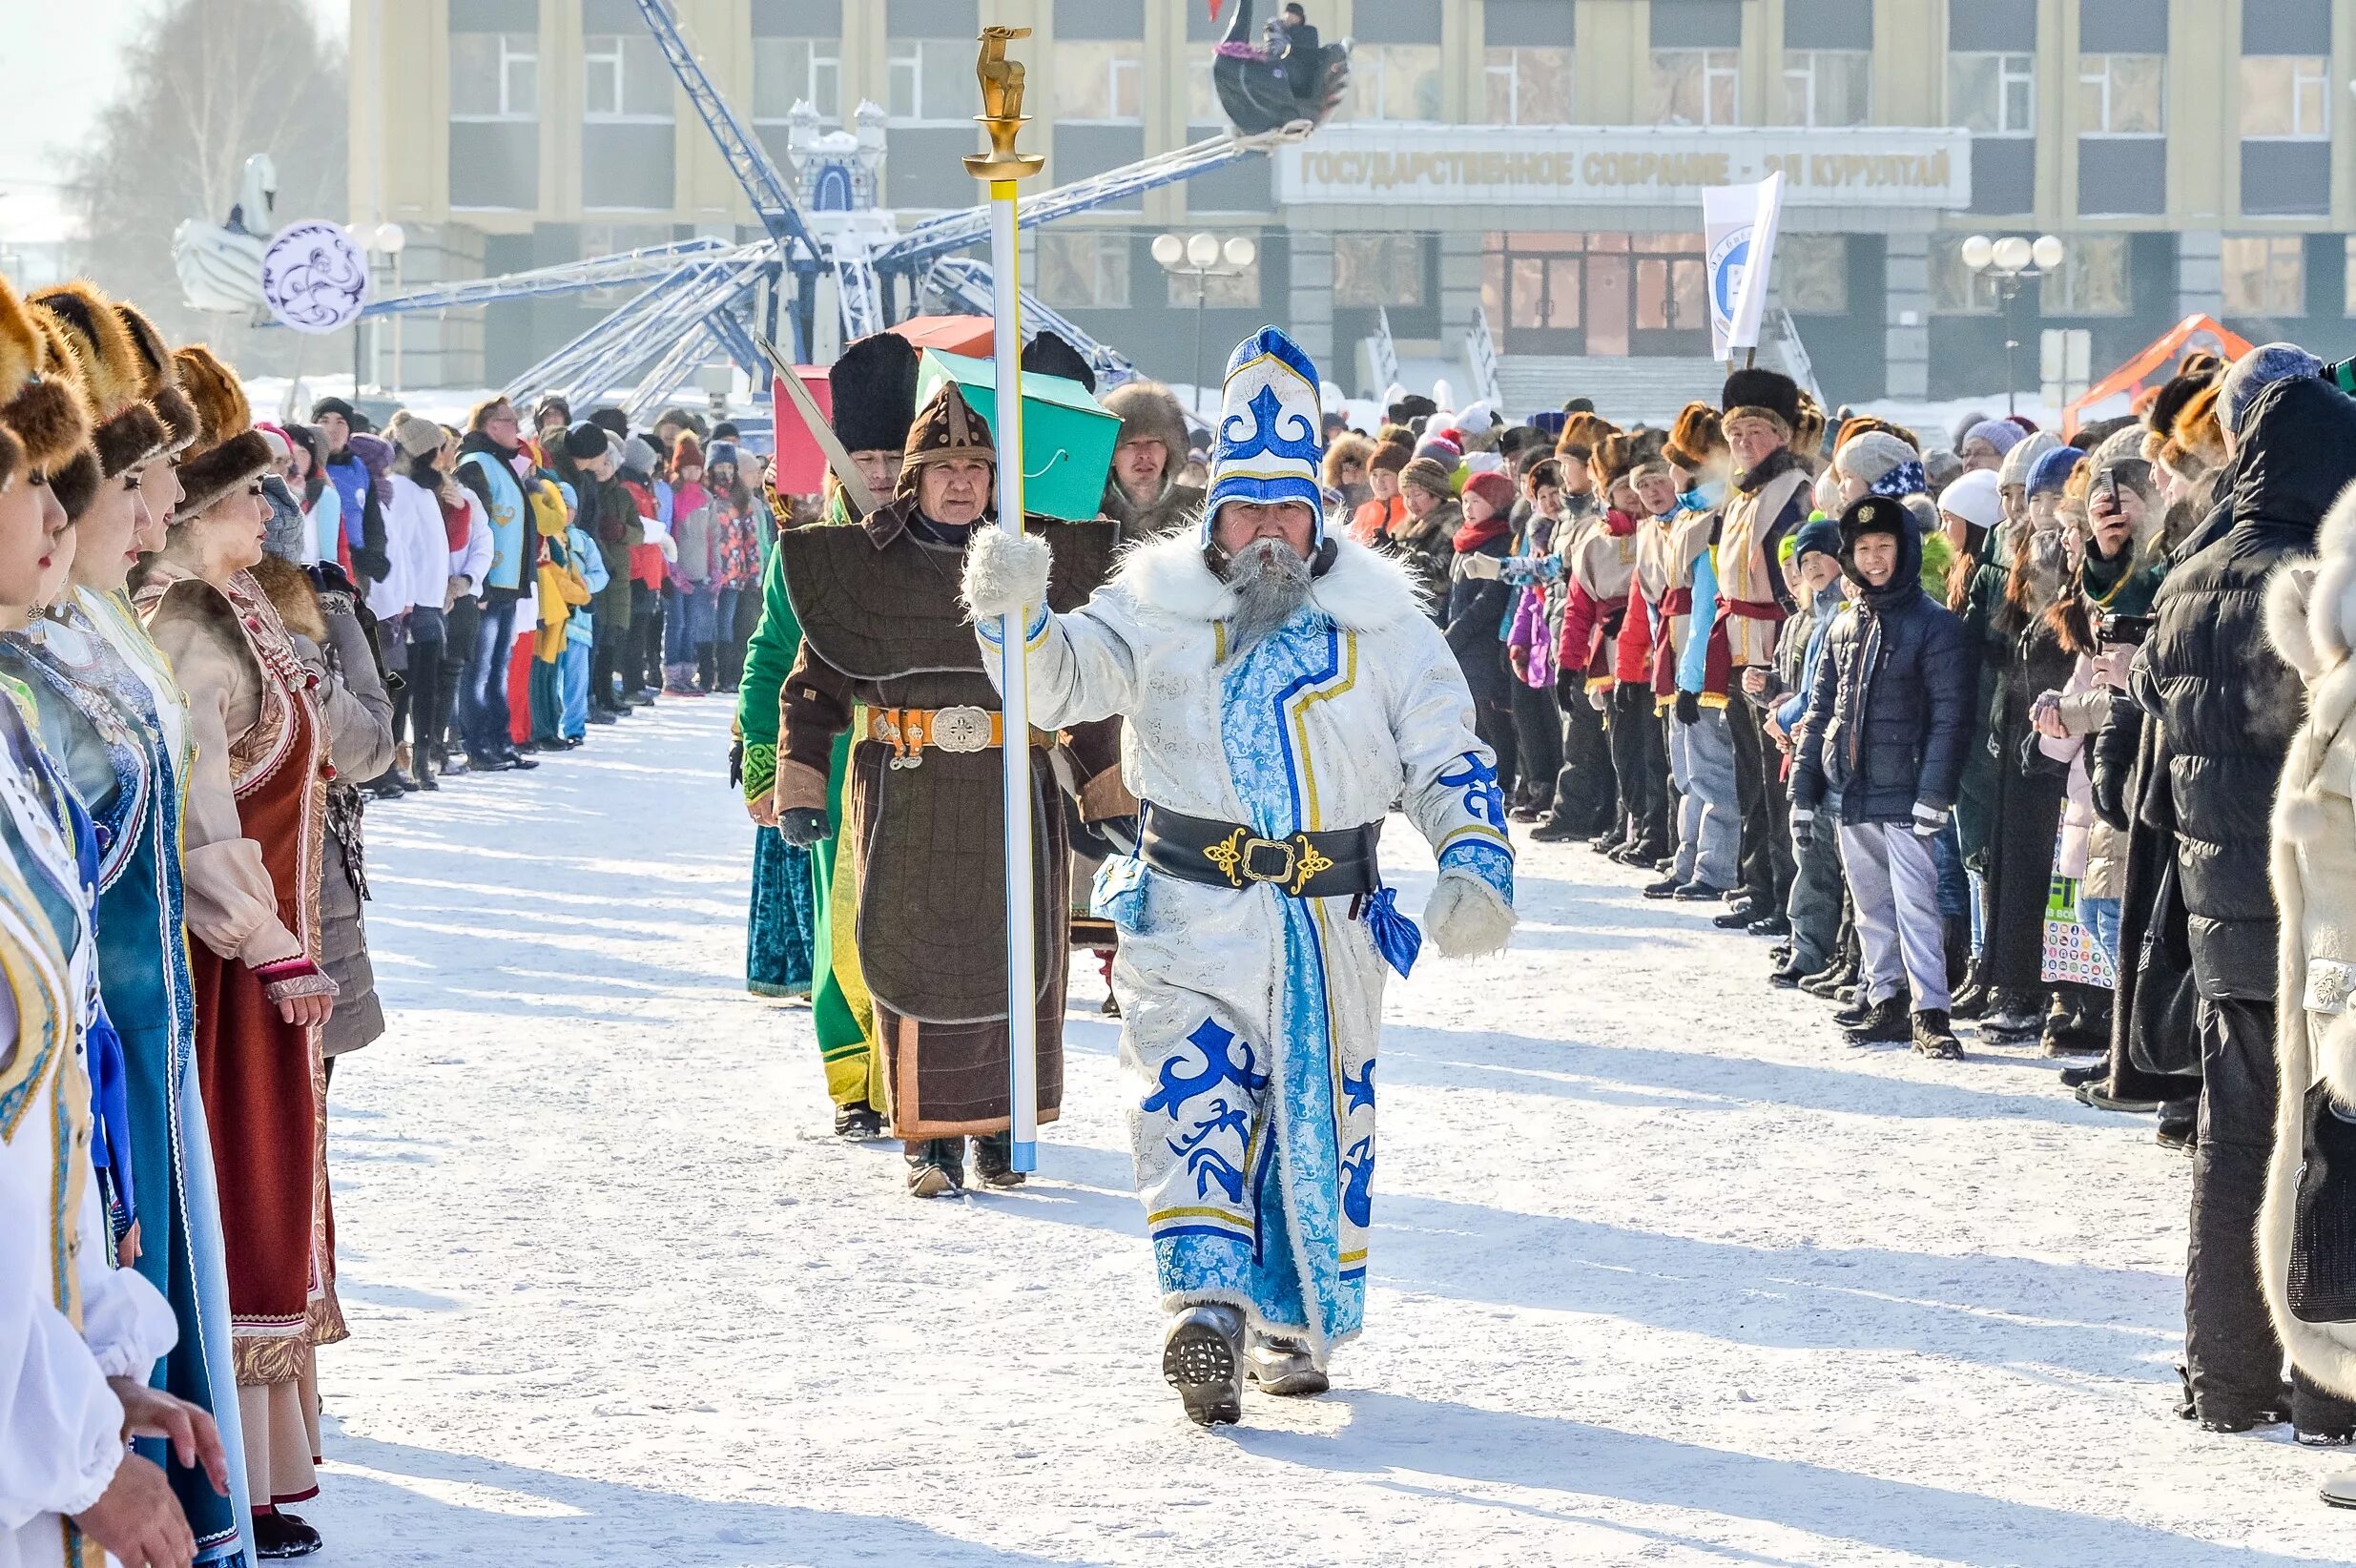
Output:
(1254, 926)
(2310, 618)
(1144, 494)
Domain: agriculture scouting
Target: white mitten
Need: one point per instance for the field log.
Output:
(1466, 917)
(1005, 573)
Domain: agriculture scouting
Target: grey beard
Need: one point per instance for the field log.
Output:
(1270, 582)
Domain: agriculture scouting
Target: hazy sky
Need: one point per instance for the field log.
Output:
(60, 62)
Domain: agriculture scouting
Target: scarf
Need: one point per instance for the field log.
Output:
(1472, 536)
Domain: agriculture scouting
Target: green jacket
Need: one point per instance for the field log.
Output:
(768, 658)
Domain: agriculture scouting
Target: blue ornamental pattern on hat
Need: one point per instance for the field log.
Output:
(1269, 448)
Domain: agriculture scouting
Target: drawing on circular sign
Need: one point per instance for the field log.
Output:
(313, 277)
(1726, 263)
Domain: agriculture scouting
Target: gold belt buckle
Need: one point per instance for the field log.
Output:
(961, 730)
(1240, 857)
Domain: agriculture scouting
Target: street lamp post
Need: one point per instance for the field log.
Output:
(1204, 256)
(2007, 263)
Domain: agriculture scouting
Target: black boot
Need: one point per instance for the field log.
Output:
(936, 1167)
(707, 666)
(278, 1534)
(857, 1121)
(2014, 1014)
(994, 1161)
(1934, 1039)
(1970, 999)
(1885, 1023)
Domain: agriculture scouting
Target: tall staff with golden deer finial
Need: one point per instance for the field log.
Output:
(1001, 168)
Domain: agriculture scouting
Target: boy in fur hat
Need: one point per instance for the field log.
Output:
(1309, 658)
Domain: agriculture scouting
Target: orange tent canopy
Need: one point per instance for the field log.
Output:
(971, 335)
(2161, 350)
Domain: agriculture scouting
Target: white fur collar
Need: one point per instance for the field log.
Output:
(1363, 591)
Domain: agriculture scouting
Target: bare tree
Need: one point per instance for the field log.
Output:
(208, 83)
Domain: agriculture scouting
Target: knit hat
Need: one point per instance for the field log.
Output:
(639, 454)
(1757, 390)
(159, 381)
(945, 430)
(1494, 487)
(1429, 475)
(415, 437)
(2051, 474)
(585, 441)
(1882, 462)
(2256, 371)
(1269, 445)
(1974, 498)
(2023, 456)
(2002, 434)
(337, 407)
(228, 454)
(722, 452)
(1821, 534)
(1440, 448)
(1941, 469)
(687, 452)
(126, 432)
(43, 418)
(1390, 458)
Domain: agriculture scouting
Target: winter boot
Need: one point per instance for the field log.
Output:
(1884, 1024)
(1555, 830)
(1699, 893)
(1854, 1014)
(1774, 923)
(994, 1161)
(1932, 1037)
(1666, 888)
(679, 680)
(858, 1122)
(2014, 1015)
(1824, 982)
(1278, 1364)
(1970, 999)
(1202, 1358)
(707, 667)
(278, 1534)
(936, 1167)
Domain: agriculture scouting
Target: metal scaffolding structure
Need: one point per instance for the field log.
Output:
(703, 297)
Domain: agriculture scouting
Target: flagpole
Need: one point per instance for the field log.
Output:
(1001, 168)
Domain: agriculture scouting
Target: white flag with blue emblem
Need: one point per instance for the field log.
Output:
(1738, 225)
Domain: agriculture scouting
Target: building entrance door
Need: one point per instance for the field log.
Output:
(1607, 295)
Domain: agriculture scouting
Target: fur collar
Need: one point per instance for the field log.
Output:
(1363, 591)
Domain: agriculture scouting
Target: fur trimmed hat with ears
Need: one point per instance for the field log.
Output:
(127, 432)
(159, 382)
(228, 453)
(44, 419)
(1697, 435)
(1584, 428)
(2199, 428)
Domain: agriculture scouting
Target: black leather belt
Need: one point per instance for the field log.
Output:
(1305, 865)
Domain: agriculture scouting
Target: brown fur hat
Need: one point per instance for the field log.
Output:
(1696, 436)
(44, 417)
(1149, 411)
(2195, 428)
(159, 382)
(1807, 432)
(1857, 424)
(229, 453)
(1392, 456)
(127, 432)
(1584, 429)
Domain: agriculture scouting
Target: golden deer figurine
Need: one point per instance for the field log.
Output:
(1001, 108)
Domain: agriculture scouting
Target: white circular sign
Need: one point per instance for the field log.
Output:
(313, 277)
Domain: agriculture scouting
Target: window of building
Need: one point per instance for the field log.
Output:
(790, 71)
(1671, 294)
(1378, 269)
(2265, 275)
(1529, 85)
(1956, 289)
(624, 78)
(1993, 94)
(1223, 291)
(1696, 87)
(932, 81)
(2285, 97)
(2123, 95)
(1827, 86)
(1083, 269)
(1811, 273)
(1100, 79)
(1394, 82)
(494, 75)
(2092, 278)
(1203, 95)
(2348, 276)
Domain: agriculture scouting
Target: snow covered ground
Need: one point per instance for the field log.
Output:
(1663, 1274)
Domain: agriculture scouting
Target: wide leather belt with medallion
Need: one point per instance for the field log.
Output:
(909, 730)
(1304, 865)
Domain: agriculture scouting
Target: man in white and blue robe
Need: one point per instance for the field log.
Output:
(1284, 692)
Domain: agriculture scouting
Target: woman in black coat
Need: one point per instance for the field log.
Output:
(1479, 604)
